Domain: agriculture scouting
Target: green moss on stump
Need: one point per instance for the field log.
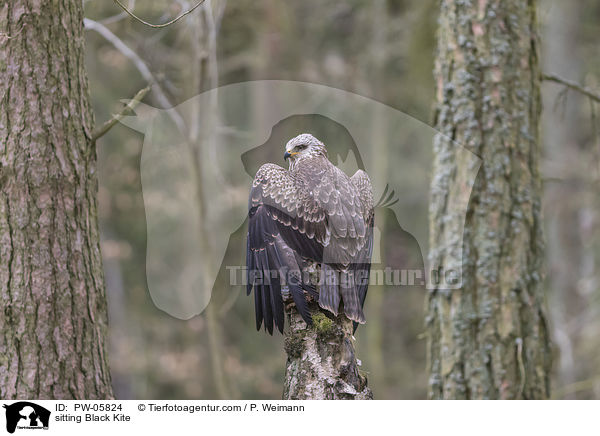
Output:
(323, 325)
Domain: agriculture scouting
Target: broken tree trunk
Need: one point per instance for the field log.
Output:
(321, 362)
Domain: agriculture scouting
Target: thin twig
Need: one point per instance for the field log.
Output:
(118, 117)
(157, 26)
(572, 85)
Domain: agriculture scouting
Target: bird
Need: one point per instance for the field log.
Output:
(309, 217)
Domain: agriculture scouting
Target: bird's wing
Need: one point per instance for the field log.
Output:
(347, 215)
(348, 207)
(280, 225)
(362, 267)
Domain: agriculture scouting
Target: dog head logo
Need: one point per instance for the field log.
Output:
(26, 415)
(199, 158)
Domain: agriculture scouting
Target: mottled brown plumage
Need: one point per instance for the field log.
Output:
(312, 213)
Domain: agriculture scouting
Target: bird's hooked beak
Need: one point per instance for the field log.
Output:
(287, 154)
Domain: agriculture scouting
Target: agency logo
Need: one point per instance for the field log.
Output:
(26, 415)
(199, 159)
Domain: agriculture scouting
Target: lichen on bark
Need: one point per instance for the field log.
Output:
(488, 339)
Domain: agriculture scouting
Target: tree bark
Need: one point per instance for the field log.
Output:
(488, 339)
(321, 362)
(53, 319)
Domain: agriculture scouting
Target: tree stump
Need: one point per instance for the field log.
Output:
(321, 361)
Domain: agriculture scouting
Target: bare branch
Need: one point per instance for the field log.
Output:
(572, 85)
(118, 117)
(128, 53)
(139, 64)
(157, 26)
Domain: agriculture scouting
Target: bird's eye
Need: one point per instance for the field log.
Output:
(301, 147)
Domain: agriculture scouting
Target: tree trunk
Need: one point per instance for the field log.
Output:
(321, 363)
(488, 339)
(53, 319)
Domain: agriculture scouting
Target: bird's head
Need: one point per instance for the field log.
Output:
(303, 145)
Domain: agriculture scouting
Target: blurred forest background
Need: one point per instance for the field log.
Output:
(380, 49)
